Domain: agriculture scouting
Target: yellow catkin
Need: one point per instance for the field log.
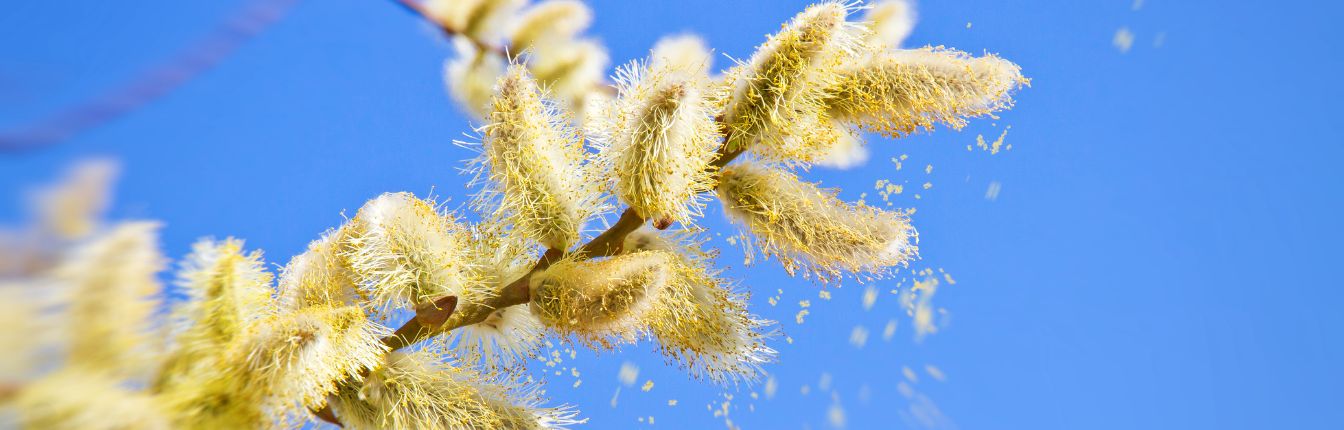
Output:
(776, 100)
(471, 76)
(75, 400)
(901, 92)
(228, 291)
(534, 164)
(282, 366)
(809, 229)
(71, 209)
(405, 251)
(600, 303)
(686, 52)
(660, 141)
(482, 20)
(570, 70)
(417, 390)
(889, 22)
(111, 280)
(700, 321)
(550, 21)
(321, 275)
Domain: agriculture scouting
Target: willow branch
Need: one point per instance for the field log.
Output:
(605, 244)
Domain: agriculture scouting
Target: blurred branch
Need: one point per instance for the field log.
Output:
(418, 9)
(151, 85)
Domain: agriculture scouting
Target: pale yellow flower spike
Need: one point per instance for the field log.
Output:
(901, 92)
(571, 69)
(299, 358)
(889, 22)
(406, 252)
(477, 19)
(111, 281)
(413, 389)
(601, 303)
(686, 52)
(319, 276)
(78, 400)
(72, 209)
(661, 140)
(809, 229)
(471, 77)
(534, 164)
(549, 22)
(777, 98)
(700, 321)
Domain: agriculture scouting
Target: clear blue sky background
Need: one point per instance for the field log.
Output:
(1162, 253)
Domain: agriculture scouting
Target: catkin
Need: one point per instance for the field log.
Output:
(904, 91)
(600, 303)
(661, 141)
(809, 229)
(776, 100)
(534, 161)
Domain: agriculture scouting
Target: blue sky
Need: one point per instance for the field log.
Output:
(1160, 255)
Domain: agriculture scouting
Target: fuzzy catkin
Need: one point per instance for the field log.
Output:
(320, 275)
(901, 92)
(700, 321)
(776, 100)
(417, 390)
(533, 160)
(600, 303)
(404, 252)
(661, 140)
(809, 229)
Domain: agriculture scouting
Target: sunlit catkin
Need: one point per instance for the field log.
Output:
(298, 358)
(904, 91)
(777, 98)
(533, 160)
(111, 280)
(661, 140)
(319, 276)
(700, 321)
(601, 303)
(889, 22)
(415, 389)
(228, 290)
(809, 229)
(406, 252)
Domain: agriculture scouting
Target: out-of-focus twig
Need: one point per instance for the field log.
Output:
(152, 84)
